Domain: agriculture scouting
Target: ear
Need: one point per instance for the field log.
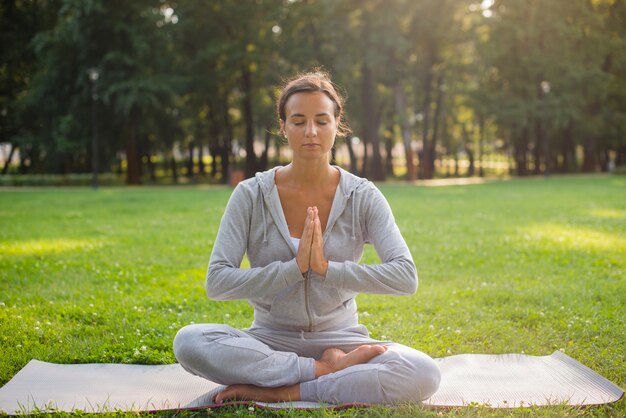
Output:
(281, 124)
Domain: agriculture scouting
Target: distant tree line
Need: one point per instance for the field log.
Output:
(122, 83)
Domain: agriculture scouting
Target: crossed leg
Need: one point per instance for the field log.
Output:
(333, 360)
(270, 366)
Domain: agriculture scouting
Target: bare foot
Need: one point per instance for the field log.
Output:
(334, 359)
(259, 394)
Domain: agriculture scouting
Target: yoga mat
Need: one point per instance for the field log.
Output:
(498, 381)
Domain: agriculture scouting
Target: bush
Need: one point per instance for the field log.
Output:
(105, 179)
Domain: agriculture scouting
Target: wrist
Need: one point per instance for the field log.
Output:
(322, 269)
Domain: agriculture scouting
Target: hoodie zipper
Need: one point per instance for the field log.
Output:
(307, 285)
(306, 299)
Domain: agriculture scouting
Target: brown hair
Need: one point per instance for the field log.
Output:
(311, 82)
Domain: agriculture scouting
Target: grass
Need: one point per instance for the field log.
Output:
(530, 265)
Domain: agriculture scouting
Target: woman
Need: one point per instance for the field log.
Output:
(303, 227)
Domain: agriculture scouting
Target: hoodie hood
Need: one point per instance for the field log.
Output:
(348, 184)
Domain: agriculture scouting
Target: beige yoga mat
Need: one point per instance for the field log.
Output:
(499, 381)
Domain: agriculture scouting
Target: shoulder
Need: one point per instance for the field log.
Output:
(366, 195)
(255, 187)
(262, 181)
(351, 183)
(245, 192)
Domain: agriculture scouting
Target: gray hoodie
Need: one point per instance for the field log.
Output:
(282, 297)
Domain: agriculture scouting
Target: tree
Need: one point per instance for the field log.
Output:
(20, 22)
(443, 77)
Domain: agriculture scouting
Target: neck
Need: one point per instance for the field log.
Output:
(310, 172)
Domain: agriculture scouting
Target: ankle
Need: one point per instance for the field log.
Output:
(322, 368)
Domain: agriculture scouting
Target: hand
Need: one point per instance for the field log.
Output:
(304, 249)
(318, 262)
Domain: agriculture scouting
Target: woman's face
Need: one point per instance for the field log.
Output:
(310, 125)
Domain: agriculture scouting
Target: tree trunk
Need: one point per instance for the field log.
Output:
(228, 143)
(468, 150)
(7, 162)
(537, 147)
(520, 149)
(22, 168)
(69, 163)
(400, 105)
(201, 167)
(249, 122)
(365, 161)
(481, 140)
(214, 141)
(432, 151)
(277, 144)
(589, 155)
(604, 157)
(263, 162)
(214, 151)
(370, 117)
(370, 124)
(133, 155)
(173, 166)
(353, 160)
(190, 164)
(621, 156)
(569, 150)
(151, 167)
(389, 141)
(424, 172)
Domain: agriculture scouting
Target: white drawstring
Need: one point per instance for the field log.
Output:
(353, 213)
(263, 213)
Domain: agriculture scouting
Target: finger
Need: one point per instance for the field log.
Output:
(307, 233)
(317, 230)
(307, 218)
(318, 241)
(318, 263)
(303, 256)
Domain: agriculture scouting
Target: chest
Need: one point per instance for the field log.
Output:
(295, 203)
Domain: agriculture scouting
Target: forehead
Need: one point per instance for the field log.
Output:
(309, 104)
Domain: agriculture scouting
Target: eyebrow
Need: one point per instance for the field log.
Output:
(300, 115)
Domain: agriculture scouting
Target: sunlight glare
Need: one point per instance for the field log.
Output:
(572, 237)
(43, 246)
(608, 213)
(169, 16)
(486, 8)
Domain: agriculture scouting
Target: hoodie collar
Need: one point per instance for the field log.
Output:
(348, 184)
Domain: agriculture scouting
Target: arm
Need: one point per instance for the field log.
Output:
(396, 274)
(225, 280)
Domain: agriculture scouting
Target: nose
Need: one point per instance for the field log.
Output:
(311, 130)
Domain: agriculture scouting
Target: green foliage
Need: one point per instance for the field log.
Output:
(528, 266)
(541, 82)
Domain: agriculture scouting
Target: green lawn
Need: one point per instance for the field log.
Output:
(530, 266)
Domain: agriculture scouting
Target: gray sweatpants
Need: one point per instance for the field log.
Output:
(270, 358)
